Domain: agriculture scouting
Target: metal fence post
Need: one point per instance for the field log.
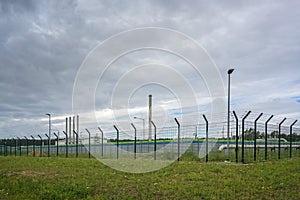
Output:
(255, 135)
(279, 137)
(101, 141)
(206, 138)
(5, 147)
(134, 148)
(76, 135)
(66, 134)
(154, 139)
(20, 146)
(178, 139)
(89, 142)
(291, 136)
(198, 141)
(236, 137)
(33, 139)
(16, 143)
(10, 147)
(56, 144)
(26, 145)
(266, 137)
(117, 141)
(2, 146)
(7, 144)
(76, 142)
(48, 144)
(243, 137)
(41, 145)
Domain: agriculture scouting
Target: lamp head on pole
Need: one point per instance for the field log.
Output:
(230, 71)
(48, 114)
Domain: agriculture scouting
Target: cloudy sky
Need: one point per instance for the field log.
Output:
(44, 43)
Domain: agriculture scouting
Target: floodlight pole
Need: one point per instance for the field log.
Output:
(229, 72)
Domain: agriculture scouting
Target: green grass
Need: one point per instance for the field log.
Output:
(82, 178)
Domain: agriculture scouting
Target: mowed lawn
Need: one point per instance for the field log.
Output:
(83, 178)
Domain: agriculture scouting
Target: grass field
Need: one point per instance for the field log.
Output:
(82, 178)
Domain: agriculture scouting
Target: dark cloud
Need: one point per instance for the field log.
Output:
(11, 7)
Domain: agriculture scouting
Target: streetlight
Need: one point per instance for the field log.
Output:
(228, 113)
(143, 125)
(49, 127)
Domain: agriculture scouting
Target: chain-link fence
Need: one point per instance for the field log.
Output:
(249, 140)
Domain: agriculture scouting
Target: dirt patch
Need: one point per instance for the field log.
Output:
(30, 173)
